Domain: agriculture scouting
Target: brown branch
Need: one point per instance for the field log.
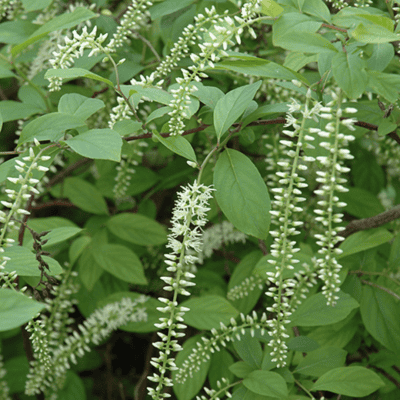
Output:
(53, 203)
(334, 27)
(373, 127)
(371, 222)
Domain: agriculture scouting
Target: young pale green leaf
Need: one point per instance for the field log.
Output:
(271, 8)
(349, 72)
(230, 107)
(178, 145)
(349, 381)
(16, 309)
(306, 42)
(381, 316)
(63, 21)
(137, 229)
(322, 360)
(79, 106)
(364, 240)
(103, 144)
(207, 312)
(241, 193)
(317, 8)
(85, 196)
(266, 383)
(315, 312)
(373, 34)
(73, 73)
(193, 384)
(49, 127)
(121, 262)
(249, 350)
(23, 261)
(381, 56)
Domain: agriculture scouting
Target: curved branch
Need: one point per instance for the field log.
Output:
(371, 222)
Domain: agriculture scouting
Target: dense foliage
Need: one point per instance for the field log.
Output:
(199, 199)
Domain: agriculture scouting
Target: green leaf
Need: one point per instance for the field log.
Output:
(266, 383)
(382, 55)
(14, 32)
(178, 145)
(33, 5)
(17, 369)
(49, 127)
(63, 21)
(241, 369)
(59, 235)
(271, 8)
(77, 247)
(208, 95)
(349, 381)
(230, 107)
(317, 8)
(79, 106)
(373, 34)
(258, 67)
(121, 262)
(322, 360)
(16, 309)
(12, 110)
(302, 343)
(264, 111)
(103, 144)
(73, 388)
(85, 196)
(1, 121)
(349, 72)
(208, 311)
(23, 261)
(193, 384)
(73, 73)
(6, 73)
(89, 269)
(385, 127)
(167, 7)
(381, 316)
(361, 203)
(137, 229)
(241, 193)
(386, 85)
(315, 312)
(249, 350)
(364, 240)
(152, 93)
(306, 42)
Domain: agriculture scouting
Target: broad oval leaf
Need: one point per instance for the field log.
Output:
(349, 72)
(315, 312)
(80, 106)
(381, 316)
(121, 262)
(230, 107)
(16, 309)
(349, 381)
(241, 193)
(85, 196)
(207, 312)
(178, 145)
(266, 383)
(137, 229)
(103, 144)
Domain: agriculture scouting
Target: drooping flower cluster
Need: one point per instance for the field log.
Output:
(75, 47)
(284, 209)
(97, 327)
(189, 216)
(207, 346)
(331, 183)
(217, 236)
